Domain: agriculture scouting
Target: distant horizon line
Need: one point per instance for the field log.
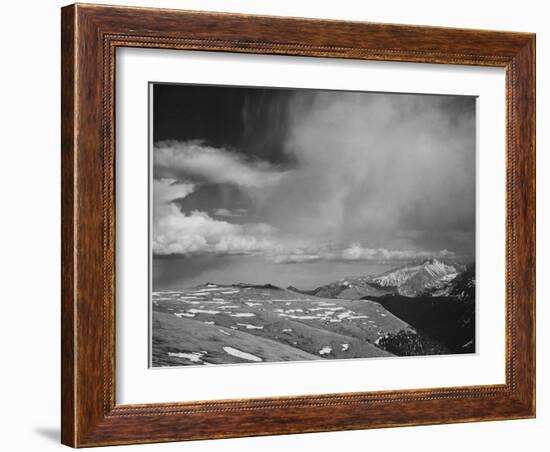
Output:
(270, 284)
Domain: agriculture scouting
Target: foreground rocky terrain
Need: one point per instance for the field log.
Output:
(417, 309)
(227, 324)
(231, 324)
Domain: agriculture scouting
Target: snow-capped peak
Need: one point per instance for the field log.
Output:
(413, 279)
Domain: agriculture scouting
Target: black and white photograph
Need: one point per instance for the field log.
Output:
(291, 224)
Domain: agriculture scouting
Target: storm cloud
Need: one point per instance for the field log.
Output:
(349, 176)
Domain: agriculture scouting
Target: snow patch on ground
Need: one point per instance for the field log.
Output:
(195, 357)
(248, 326)
(240, 354)
(302, 317)
(184, 314)
(203, 311)
(325, 309)
(289, 299)
(343, 315)
(325, 350)
(345, 347)
(243, 314)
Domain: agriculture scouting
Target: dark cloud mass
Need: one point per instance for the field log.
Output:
(295, 178)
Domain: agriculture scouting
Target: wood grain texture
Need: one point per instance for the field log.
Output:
(90, 36)
(68, 243)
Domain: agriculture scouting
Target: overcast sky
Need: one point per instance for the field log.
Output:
(302, 187)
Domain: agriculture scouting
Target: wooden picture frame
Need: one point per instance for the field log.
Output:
(90, 36)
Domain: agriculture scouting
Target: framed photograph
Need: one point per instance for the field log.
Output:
(280, 225)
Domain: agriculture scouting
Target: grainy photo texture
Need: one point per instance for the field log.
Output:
(298, 224)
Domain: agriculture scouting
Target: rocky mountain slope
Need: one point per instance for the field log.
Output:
(431, 276)
(448, 315)
(416, 279)
(350, 288)
(435, 297)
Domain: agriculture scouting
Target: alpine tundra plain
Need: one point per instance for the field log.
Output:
(423, 308)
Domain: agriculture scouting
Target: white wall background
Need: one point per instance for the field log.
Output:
(29, 264)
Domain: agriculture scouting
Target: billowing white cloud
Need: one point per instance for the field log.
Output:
(297, 257)
(178, 233)
(220, 212)
(392, 172)
(175, 232)
(167, 190)
(194, 160)
(357, 252)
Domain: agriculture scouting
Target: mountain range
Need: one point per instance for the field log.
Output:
(421, 308)
(435, 297)
(429, 277)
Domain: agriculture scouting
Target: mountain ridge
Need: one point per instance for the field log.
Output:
(416, 278)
